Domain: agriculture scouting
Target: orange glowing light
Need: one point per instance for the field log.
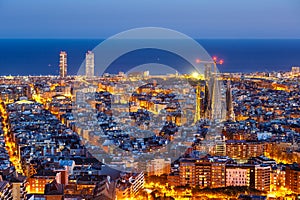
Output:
(198, 60)
(215, 58)
(221, 62)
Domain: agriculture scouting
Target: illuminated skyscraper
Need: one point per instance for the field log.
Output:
(63, 64)
(89, 64)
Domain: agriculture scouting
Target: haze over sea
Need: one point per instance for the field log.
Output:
(41, 56)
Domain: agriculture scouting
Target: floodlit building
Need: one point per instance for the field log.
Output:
(236, 176)
(292, 178)
(129, 185)
(218, 174)
(63, 64)
(89, 64)
(158, 167)
(262, 178)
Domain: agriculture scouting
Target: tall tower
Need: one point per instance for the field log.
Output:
(216, 96)
(198, 104)
(63, 64)
(229, 106)
(89, 64)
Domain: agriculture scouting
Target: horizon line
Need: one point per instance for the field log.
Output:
(198, 38)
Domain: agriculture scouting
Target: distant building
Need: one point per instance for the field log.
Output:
(19, 184)
(38, 181)
(5, 190)
(292, 178)
(218, 175)
(236, 176)
(240, 175)
(262, 178)
(174, 179)
(146, 73)
(195, 172)
(158, 167)
(89, 64)
(54, 191)
(95, 185)
(242, 150)
(64, 176)
(219, 148)
(63, 64)
(187, 172)
(136, 75)
(129, 185)
(263, 160)
(68, 164)
(295, 71)
(277, 178)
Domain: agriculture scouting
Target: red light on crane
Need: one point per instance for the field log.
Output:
(221, 62)
(198, 60)
(215, 58)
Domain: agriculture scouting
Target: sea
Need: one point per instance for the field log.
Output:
(41, 56)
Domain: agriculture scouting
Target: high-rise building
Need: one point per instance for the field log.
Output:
(240, 175)
(195, 172)
(218, 174)
(292, 177)
(236, 176)
(89, 64)
(187, 172)
(262, 178)
(63, 64)
(203, 173)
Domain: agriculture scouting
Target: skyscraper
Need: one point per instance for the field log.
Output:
(89, 64)
(63, 64)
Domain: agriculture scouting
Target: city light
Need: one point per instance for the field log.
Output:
(251, 150)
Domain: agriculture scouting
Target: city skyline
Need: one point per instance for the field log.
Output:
(149, 100)
(252, 155)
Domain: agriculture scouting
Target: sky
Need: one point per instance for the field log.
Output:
(104, 18)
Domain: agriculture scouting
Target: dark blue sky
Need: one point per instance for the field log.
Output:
(196, 18)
